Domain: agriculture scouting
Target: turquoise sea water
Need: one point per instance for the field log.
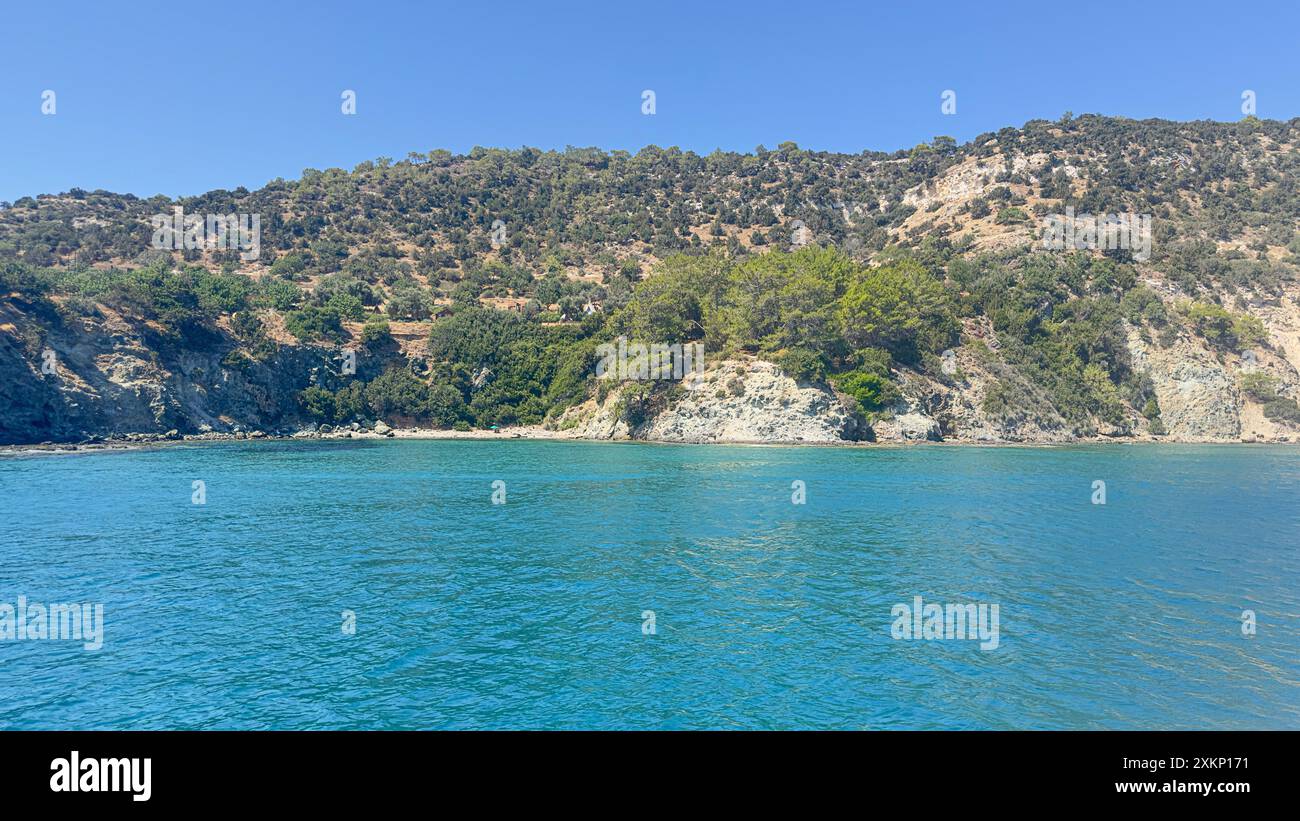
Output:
(767, 614)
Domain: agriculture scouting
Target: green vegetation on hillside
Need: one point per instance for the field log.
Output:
(668, 246)
(820, 314)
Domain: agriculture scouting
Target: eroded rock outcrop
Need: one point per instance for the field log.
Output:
(70, 380)
(1199, 400)
(733, 401)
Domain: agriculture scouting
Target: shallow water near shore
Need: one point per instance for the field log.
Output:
(766, 614)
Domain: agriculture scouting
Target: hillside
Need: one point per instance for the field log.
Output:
(866, 296)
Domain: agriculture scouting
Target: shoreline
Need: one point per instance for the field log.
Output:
(140, 441)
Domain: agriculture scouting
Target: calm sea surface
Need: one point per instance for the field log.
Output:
(766, 614)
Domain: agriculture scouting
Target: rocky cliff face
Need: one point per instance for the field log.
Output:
(68, 380)
(108, 376)
(1199, 399)
(733, 401)
(1198, 391)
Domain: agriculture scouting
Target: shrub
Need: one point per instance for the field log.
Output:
(350, 402)
(446, 407)
(408, 301)
(1141, 304)
(313, 323)
(397, 392)
(1282, 409)
(376, 331)
(347, 306)
(280, 294)
(870, 384)
(802, 364)
(899, 307)
(318, 403)
(871, 390)
(15, 276)
(289, 266)
(1222, 328)
(1259, 386)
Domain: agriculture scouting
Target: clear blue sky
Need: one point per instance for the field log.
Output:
(179, 98)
